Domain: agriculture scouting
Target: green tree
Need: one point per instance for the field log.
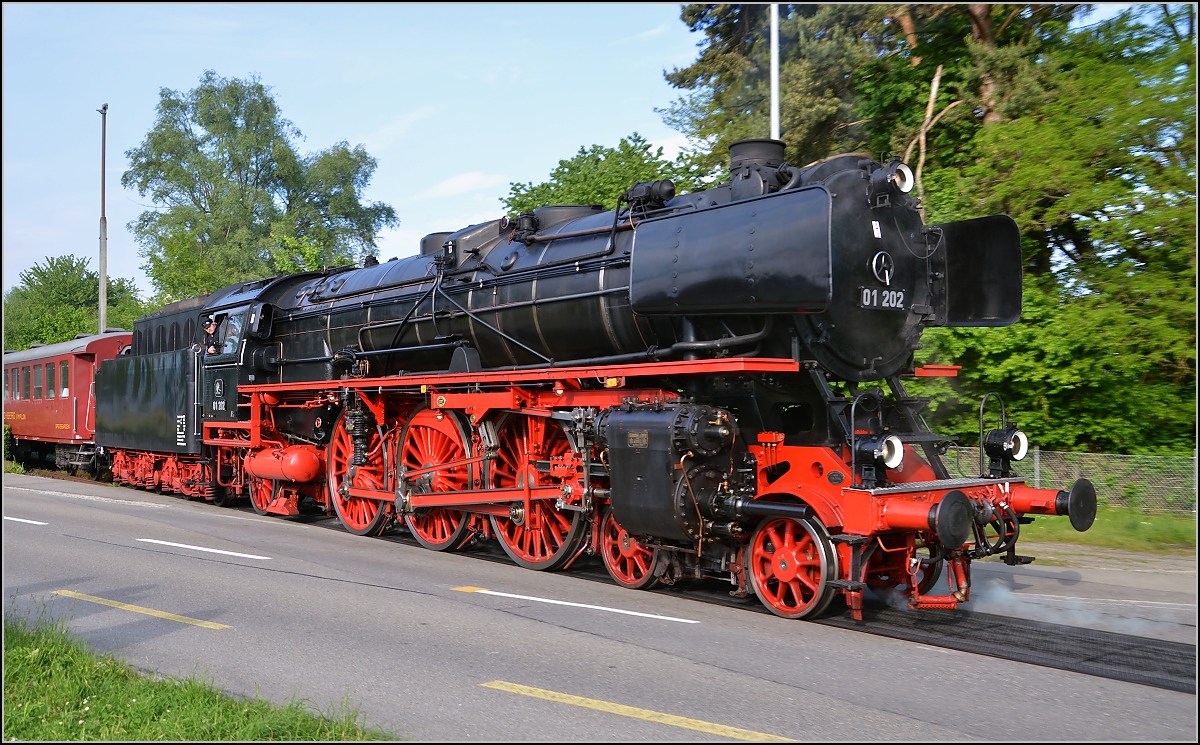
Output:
(230, 189)
(61, 298)
(1101, 179)
(1086, 137)
(293, 255)
(599, 174)
(728, 86)
(857, 77)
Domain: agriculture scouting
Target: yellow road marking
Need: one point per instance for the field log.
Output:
(467, 588)
(636, 713)
(140, 609)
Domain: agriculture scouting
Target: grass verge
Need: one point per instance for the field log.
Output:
(1121, 528)
(56, 689)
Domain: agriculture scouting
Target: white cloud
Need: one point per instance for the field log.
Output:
(464, 183)
(650, 34)
(495, 76)
(393, 131)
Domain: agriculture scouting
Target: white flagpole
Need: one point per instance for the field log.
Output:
(774, 71)
(103, 224)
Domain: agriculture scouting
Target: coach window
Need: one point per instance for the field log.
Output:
(50, 380)
(6, 385)
(37, 382)
(25, 383)
(63, 369)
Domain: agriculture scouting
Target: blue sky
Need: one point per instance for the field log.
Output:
(455, 101)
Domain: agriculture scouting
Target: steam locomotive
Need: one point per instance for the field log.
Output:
(704, 386)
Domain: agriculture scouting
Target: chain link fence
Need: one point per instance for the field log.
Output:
(1150, 483)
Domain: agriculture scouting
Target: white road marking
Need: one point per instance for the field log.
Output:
(20, 520)
(1103, 600)
(202, 548)
(89, 497)
(482, 591)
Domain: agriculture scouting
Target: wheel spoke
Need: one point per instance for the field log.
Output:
(804, 579)
(794, 595)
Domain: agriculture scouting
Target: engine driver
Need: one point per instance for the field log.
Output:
(210, 336)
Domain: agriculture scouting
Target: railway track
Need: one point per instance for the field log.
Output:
(1152, 662)
(1134, 659)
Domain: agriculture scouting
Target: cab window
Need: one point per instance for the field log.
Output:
(63, 369)
(233, 332)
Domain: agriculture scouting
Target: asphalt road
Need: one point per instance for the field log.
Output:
(449, 647)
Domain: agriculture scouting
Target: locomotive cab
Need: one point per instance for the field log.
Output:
(242, 353)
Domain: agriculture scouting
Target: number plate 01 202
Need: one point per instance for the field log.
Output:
(876, 297)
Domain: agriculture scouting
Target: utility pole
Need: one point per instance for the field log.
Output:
(774, 71)
(103, 224)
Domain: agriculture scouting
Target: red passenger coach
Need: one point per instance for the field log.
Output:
(49, 399)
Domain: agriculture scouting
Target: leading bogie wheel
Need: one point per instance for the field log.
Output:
(431, 438)
(223, 496)
(358, 515)
(931, 569)
(547, 538)
(629, 563)
(791, 563)
(261, 494)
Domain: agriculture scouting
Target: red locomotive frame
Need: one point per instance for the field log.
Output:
(466, 455)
